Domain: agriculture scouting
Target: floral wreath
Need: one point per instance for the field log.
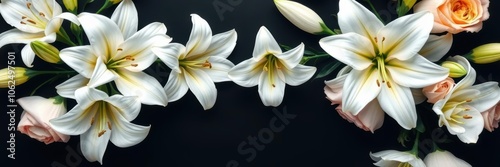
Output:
(389, 68)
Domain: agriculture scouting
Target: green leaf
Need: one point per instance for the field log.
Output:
(328, 69)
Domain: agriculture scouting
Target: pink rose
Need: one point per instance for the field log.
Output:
(491, 117)
(439, 90)
(455, 16)
(35, 119)
(370, 118)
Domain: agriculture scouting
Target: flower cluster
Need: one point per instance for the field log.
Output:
(108, 79)
(392, 68)
(389, 69)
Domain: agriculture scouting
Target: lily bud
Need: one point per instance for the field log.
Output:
(302, 17)
(405, 6)
(484, 54)
(46, 51)
(456, 70)
(13, 76)
(71, 5)
(115, 1)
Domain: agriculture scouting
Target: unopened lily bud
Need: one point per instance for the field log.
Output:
(46, 51)
(13, 76)
(484, 54)
(115, 1)
(405, 6)
(456, 70)
(71, 5)
(302, 17)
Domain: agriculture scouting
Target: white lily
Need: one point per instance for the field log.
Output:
(99, 118)
(34, 20)
(390, 158)
(119, 53)
(460, 110)
(270, 68)
(385, 60)
(199, 64)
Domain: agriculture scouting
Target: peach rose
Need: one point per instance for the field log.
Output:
(491, 117)
(455, 16)
(35, 119)
(439, 90)
(369, 118)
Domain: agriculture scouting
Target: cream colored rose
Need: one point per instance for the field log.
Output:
(455, 16)
(491, 117)
(35, 119)
(439, 90)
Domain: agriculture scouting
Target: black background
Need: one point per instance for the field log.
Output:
(183, 134)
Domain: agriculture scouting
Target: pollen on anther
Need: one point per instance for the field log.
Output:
(92, 121)
(467, 117)
(28, 5)
(376, 41)
(378, 83)
(22, 22)
(383, 39)
(119, 49)
(42, 14)
(24, 17)
(31, 21)
(389, 84)
(468, 101)
(134, 65)
(109, 126)
(274, 85)
(101, 133)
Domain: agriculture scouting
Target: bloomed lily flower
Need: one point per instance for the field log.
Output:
(460, 111)
(396, 158)
(32, 22)
(119, 53)
(385, 60)
(270, 68)
(199, 64)
(100, 118)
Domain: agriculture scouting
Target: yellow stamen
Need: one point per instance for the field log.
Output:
(467, 117)
(207, 64)
(31, 21)
(101, 133)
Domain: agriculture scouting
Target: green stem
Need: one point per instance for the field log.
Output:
(414, 150)
(305, 59)
(374, 10)
(63, 37)
(39, 86)
(106, 5)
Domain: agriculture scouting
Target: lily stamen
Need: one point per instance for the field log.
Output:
(467, 117)
(207, 64)
(42, 14)
(109, 125)
(101, 133)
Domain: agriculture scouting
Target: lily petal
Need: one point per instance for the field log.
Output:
(126, 106)
(200, 38)
(80, 58)
(360, 87)
(265, 44)
(470, 78)
(176, 86)
(67, 88)
(488, 97)
(404, 37)
(140, 84)
(103, 34)
(246, 73)
(49, 8)
(473, 127)
(416, 73)
(222, 44)
(28, 55)
(292, 57)
(139, 46)
(220, 68)
(299, 74)
(349, 48)
(126, 17)
(398, 103)
(94, 145)
(18, 36)
(170, 54)
(55, 23)
(13, 11)
(101, 74)
(436, 47)
(126, 134)
(202, 87)
(271, 89)
(354, 17)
